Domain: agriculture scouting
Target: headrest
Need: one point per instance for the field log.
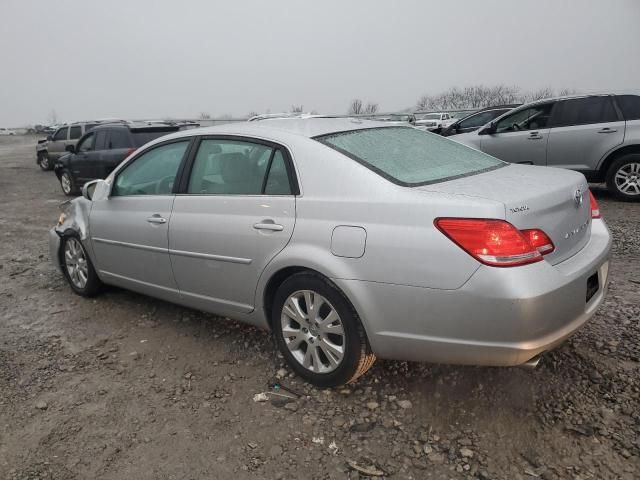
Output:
(235, 167)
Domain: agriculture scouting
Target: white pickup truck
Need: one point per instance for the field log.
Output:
(434, 122)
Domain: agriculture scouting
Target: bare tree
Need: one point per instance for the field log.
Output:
(297, 108)
(355, 107)
(53, 117)
(204, 116)
(371, 108)
(252, 114)
(539, 94)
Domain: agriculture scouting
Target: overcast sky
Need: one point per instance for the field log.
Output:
(148, 59)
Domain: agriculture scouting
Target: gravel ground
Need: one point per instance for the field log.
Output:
(125, 386)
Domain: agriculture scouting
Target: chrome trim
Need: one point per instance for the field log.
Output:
(130, 245)
(207, 256)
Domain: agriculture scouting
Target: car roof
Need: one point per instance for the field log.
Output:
(303, 127)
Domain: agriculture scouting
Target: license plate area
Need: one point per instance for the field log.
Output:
(593, 285)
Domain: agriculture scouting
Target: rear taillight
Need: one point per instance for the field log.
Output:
(595, 208)
(492, 242)
(130, 151)
(539, 240)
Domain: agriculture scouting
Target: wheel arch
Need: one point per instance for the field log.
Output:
(614, 155)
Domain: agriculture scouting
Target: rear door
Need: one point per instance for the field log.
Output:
(129, 228)
(583, 131)
(236, 212)
(521, 137)
(119, 145)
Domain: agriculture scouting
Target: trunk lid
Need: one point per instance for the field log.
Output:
(534, 197)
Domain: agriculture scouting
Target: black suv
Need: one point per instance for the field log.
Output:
(475, 120)
(101, 150)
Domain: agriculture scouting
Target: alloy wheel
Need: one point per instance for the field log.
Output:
(44, 162)
(75, 261)
(313, 331)
(627, 179)
(65, 181)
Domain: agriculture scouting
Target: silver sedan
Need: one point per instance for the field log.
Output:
(349, 239)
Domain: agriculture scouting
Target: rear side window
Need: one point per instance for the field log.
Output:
(584, 111)
(630, 106)
(89, 126)
(410, 157)
(119, 138)
(140, 137)
(61, 134)
(101, 137)
(480, 119)
(75, 132)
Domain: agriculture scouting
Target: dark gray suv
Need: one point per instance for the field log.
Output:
(597, 135)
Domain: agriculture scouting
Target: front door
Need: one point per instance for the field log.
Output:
(521, 137)
(84, 161)
(56, 147)
(236, 213)
(584, 131)
(129, 229)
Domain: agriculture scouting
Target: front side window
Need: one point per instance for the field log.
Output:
(75, 132)
(408, 156)
(230, 167)
(532, 118)
(584, 111)
(61, 134)
(151, 173)
(86, 144)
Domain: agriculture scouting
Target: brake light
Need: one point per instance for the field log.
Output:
(130, 151)
(539, 240)
(595, 208)
(492, 242)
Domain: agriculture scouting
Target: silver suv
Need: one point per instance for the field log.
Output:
(597, 135)
(51, 149)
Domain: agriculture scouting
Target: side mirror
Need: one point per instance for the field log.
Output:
(70, 148)
(488, 129)
(89, 188)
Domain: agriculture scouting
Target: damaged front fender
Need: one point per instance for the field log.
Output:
(74, 220)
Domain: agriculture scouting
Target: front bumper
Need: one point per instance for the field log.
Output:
(54, 247)
(499, 317)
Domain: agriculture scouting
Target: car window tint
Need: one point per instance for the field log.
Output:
(61, 134)
(229, 167)
(141, 137)
(478, 119)
(630, 106)
(277, 179)
(152, 173)
(531, 118)
(583, 111)
(119, 138)
(100, 141)
(86, 144)
(89, 126)
(409, 156)
(75, 132)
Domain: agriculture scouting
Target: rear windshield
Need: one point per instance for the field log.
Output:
(140, 137)
(408, 156)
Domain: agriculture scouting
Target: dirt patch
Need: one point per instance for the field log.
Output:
(125, 386)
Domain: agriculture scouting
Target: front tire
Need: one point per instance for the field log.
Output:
(77, 267)
(44, 162)
(623, 177)
(68, 184)
(319, 332)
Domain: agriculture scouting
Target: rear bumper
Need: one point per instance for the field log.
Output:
(500, 316)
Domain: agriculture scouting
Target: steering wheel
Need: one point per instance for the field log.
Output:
(165, 185)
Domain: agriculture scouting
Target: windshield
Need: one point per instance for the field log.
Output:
(408, 156)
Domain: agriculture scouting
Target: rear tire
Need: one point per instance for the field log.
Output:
(319, 332)
(44, 162)
(67, 184)
(77, 267)
(623, 178)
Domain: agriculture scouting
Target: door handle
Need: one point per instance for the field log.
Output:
(156, 219)
(607, 130)
(266, 225)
